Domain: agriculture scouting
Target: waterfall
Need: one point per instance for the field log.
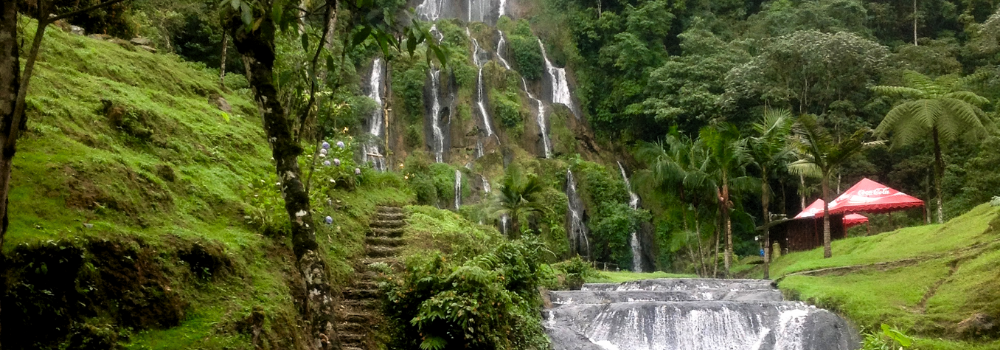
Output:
(486, 184)
(577, 229)
(480, 99)
(691, 314)
(560, 86)
(634, 242)
(430, 10)
(504, 223)
(375, 126)
(500, 45)
(458, 189)
(438, 135)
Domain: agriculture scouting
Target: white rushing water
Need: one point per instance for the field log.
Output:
(500, 46)
(480, 91)
(634, 241)
(430, 10)
(437, 134)
(560, 86)
(504, 223)
(577, 228)
(486, 184)
(543, 126)
(691, 314)
(371, 151)
(458, 189)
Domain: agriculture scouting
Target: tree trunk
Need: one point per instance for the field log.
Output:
(802, 191)
(10, 82)
(915, 23)
(701, 252)
(258, 52)
(715, 262)
(765, 199)
(687, 236)
(728, 224)
(938, 174)
(222, 61)
(827, 252)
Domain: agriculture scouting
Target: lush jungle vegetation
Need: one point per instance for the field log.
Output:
(222, 180)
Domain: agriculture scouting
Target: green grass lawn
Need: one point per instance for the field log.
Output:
(952, 276)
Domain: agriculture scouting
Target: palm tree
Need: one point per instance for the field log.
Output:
(937, 106)
(519, 198)
(677, 164)
(820, 155)
(770, 152)
(727, 161)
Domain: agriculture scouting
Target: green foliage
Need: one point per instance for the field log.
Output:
(527, 54)
(507, 109)
(576, 272)
(486, 302)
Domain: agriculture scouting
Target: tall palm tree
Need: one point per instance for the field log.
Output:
(519, 198)
(727, 161)
(940, 107)
(678, 164)
(771, 152)
(820, 155)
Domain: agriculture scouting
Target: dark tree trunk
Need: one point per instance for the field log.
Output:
(10, 78)
(938, 174)
(728, 223)
(222, 63)
(765, 198)
(827, 251)
(258, 53)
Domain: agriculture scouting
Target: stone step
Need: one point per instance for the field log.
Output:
(384, 241)
(361, 303)
(357, 317)
(353, 327)
(351, 348)
(354, 293)
(389, 210)
(390, 216)
(381, 252)
(365, 284)
(392, 262)
(385, 232)
(387, 223)
(353, 338)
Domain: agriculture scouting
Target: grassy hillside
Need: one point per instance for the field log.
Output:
(936, 282)
(144, 217)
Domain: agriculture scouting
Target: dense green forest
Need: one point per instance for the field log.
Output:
(526, 142)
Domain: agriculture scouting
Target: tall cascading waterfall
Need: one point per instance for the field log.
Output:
(560, 86)
(634, 240)
(371, 151)
(578, 240)
(691, 314)
(438, 136)
(458, 189)
(480, 91)
(543, 126)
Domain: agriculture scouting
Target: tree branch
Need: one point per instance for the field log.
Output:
(88, 9)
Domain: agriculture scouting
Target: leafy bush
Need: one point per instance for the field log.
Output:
(575, 271)
(527, 55)
(507, 109)
(487, 302)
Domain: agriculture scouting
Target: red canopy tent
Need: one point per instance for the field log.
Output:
(851, 220)
(865, 196)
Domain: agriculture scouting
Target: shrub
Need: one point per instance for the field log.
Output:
(487, 302)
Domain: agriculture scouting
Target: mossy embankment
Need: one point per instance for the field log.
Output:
(143, 216)
(935, 282)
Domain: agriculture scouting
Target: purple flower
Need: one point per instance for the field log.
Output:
(357, 171)
(329, 220)
(323, 151)
(326, 145)
(340, 144)
(336, 161)
(326, 163)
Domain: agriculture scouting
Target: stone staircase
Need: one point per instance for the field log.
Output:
(359, 313)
